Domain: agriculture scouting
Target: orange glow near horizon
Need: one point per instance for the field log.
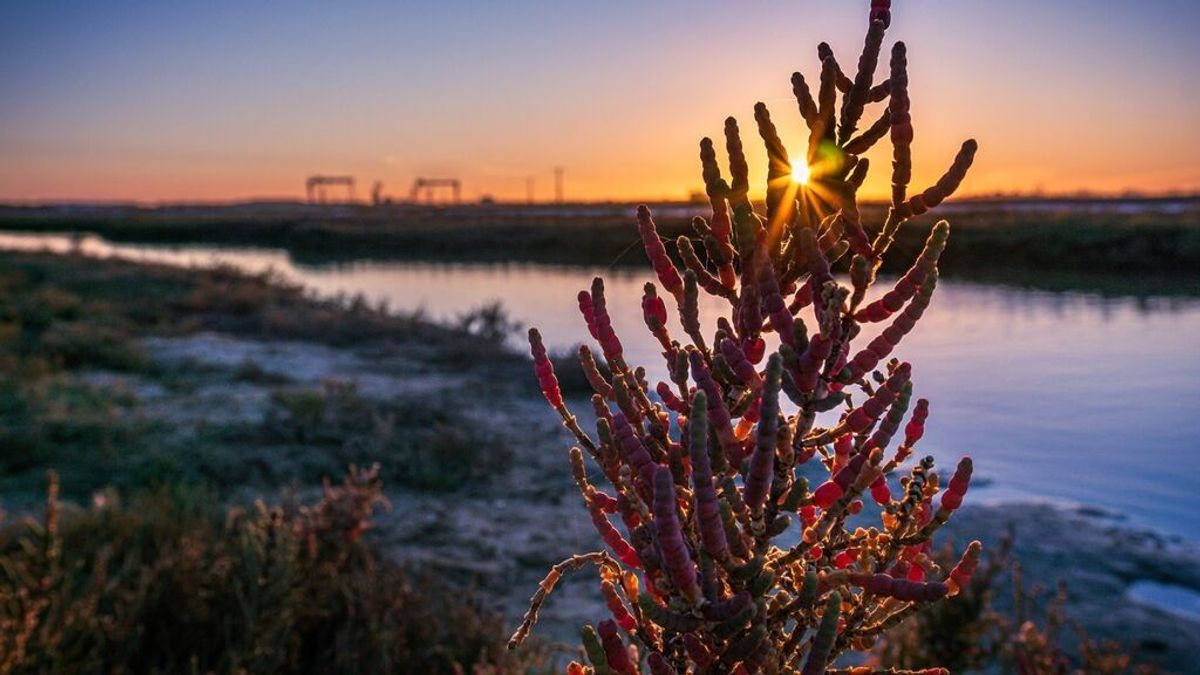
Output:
(180, 102)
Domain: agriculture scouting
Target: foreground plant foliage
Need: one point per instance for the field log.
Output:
(169, 584)
(729, 561)
(969, 634)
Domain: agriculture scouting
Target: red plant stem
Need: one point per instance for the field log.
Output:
(711, 284)
(588, 310)
(824, 53)
(960, 576)
(670, 399)
(814, 356)
(881, 10)
(878, 349)
(880, 492)
(544, 370)
(706, 505)
(953, 496)
(617, 607)
(856, 236)
(891, 422)
(862, 417)
(902, 131)
(804, 99)
(718, 413)
(823, 129)
(779, 171)
(633, 451)
(611, 537)
(945, 186)
(667, 274)
(867, 139)
(669, 535)
(774, 305)
(590, 371)
(912, 281)
(609, 344)
(900, 589)
(832, 490)
(721, 225)
(615, 651)
(762, 461)
(654, 313)
(860, 90)
(740, 365)
(689, 310)
(749, 307)
(721, 610)
(803, 297)
(739, 170)
(842, 447)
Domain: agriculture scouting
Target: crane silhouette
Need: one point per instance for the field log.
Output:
(428, 185)
(315, 187)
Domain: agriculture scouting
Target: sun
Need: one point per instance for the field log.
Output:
(800, 174)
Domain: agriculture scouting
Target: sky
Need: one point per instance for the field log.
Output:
(219, 101)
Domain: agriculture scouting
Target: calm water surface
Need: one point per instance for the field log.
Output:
(1063, 397)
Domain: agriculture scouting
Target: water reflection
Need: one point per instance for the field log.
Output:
(1062, 396)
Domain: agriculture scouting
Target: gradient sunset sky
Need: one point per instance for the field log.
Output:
(216, 100)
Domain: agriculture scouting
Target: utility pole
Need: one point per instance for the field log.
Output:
(529, 189)
(558, 185)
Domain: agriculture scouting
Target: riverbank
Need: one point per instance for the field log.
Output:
(1050, 245)
(132, 376)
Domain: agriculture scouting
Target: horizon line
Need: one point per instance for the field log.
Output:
(291, 200)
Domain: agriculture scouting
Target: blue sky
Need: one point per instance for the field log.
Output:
(223, 100)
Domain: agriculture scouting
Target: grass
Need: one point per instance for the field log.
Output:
(1145, 253)
(425, 439)
(106, 301)
(72, 372)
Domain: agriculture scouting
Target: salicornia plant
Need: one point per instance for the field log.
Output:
(728, 561)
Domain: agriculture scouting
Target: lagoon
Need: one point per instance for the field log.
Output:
(1071, 398)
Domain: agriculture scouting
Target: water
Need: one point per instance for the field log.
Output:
(1062, 397)
(1177, 600)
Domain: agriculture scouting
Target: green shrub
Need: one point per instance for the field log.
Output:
(429, 447)
(490, 322)
(77, 345)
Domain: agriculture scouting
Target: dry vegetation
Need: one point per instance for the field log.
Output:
(166, 582)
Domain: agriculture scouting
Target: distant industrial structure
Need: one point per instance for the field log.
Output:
(424, 190)
(314, 187)
(428, 185)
